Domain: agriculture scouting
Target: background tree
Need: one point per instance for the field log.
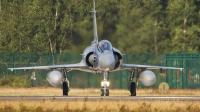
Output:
(181, 19)
(147, 26)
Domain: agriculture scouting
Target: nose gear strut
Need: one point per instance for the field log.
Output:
(105, 84)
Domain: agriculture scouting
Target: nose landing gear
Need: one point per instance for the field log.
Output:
(105, 84)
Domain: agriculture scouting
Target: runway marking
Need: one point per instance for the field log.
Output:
(94, 98)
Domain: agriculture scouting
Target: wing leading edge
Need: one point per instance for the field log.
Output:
(77, 66)
(131, 66)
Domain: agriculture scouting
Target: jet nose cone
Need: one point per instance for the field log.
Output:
(107, 61)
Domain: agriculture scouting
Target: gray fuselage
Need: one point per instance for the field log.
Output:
(101, 56)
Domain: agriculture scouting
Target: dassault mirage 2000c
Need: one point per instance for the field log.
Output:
(100, 57)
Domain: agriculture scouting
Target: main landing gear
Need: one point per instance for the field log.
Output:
(105, 84)
(65, 84)
(132, 85)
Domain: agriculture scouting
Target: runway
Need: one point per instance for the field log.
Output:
(94, 98)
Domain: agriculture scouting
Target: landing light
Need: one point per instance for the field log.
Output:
(105, 83)
(107, 69)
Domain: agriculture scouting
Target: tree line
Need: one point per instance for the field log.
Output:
(139, 26)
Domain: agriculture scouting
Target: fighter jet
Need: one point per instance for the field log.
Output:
(100, 57)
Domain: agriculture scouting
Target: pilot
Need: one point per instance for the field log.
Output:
(105, 46)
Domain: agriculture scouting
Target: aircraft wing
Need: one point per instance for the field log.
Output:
(131, 66)
(77, 66)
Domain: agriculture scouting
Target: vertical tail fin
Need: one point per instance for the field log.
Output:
(95, 24)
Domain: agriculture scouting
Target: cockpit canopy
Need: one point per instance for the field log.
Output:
(105, 45)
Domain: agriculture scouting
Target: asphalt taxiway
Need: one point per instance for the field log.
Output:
(95, 98)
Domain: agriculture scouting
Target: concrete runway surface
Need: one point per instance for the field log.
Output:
(96, 98)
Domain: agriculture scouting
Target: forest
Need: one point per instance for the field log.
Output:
(132, 26)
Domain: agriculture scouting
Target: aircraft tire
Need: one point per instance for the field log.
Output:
(133, 89)
(102, 92)
(65, 89)
(107, 92)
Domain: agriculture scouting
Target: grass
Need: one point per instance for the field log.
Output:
(50, 91)
(100, 106)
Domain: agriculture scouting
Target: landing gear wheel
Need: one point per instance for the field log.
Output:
(133, 89)
(102, 92)
(65, 89)
(107, 92)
